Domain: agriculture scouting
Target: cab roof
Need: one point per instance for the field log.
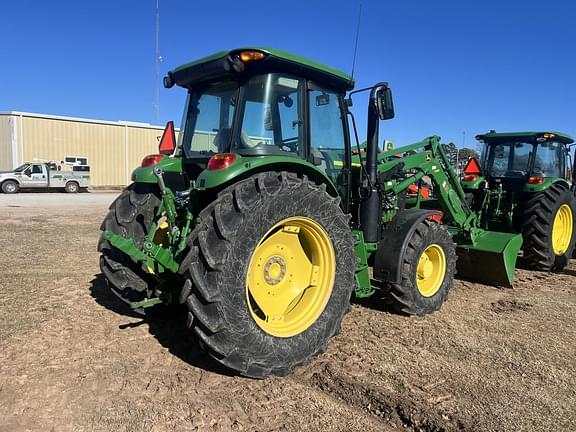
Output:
(219, 65)
(505, 136)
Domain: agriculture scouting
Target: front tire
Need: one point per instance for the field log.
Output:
(428, 268)
(548, 228)
(130, 216)
(269, 274)
(10, 187)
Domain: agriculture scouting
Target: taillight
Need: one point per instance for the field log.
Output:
(221, 161)
(536, 180)
(470, 177)
(437, 217)
(151, 160)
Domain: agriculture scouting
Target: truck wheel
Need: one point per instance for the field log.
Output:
(71, 187)
(130, 215)
(549, 224)
(10, 187)
(269, 274)
(428, 268)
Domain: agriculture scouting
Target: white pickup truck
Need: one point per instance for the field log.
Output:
(46, 175)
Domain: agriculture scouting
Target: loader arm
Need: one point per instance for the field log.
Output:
(401, 167)
(427, 158)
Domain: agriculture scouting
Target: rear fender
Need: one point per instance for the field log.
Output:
(548, 182)
(246, 167)
(395, 239)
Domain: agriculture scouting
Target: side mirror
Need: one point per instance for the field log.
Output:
(28, 172)
(384, 104)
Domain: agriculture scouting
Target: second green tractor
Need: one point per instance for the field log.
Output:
(524, 183)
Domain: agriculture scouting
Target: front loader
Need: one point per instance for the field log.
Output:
(263, 218)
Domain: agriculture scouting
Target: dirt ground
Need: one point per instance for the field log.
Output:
(73, 358)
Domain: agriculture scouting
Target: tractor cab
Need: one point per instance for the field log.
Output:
(519, 160)
(263, 102)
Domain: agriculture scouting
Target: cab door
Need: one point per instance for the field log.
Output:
(328, 134)
(38, 176)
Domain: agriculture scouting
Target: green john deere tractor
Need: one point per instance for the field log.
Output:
(524, 184)
(263, 218)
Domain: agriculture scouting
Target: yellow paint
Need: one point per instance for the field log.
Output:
(290, 276)
(431, 270)
(562, 230)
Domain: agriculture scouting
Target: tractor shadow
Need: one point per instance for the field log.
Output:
(166, 324)
(379, 301)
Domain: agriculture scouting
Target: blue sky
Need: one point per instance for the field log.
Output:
(454, 66)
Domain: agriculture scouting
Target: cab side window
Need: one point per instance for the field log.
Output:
(36, 169)
(327, 142)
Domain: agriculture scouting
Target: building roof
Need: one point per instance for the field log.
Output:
(81, 119)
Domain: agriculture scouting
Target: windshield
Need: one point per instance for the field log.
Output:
(21, 168)
(268, 121)
(511, 159)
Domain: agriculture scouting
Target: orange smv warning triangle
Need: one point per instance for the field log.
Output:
(472, 167)
(168, 141)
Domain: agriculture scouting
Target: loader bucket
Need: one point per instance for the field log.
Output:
(491, 260)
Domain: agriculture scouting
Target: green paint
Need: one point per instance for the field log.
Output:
(473, 184)
(246, 166)
(149, 302)
(528, 136)
(150, 254)
(491, 256)
(339, 76)
(126, 245)
(362, 274)
(161, 255)
(548, 181)
(146, 174)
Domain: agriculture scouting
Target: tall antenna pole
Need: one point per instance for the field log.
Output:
(356, 41)
(158, 59)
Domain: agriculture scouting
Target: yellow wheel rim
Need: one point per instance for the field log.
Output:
(562, 230)
(431, 270)
(161, 234)
(290, 277)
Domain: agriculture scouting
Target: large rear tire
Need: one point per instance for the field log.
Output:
(428, 268)
(549, 224)
(130, 216)
(269, 274)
